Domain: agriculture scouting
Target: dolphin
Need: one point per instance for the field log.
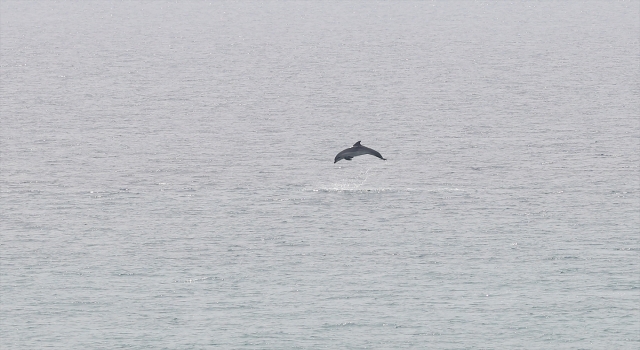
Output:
(356, 150)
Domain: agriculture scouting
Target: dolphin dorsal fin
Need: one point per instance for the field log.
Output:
(357, 144)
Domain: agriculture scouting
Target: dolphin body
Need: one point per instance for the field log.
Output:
(356, 150)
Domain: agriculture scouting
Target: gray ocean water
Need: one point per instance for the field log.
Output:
(168, 181)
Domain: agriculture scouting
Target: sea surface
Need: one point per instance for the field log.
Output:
(167, 176)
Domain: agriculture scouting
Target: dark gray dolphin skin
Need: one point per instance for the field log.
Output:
(356, 150)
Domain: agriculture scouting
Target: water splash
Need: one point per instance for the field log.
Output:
(354, 183)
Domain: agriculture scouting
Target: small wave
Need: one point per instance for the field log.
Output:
(353, 190)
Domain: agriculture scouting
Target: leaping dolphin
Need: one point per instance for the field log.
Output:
(356, 150)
